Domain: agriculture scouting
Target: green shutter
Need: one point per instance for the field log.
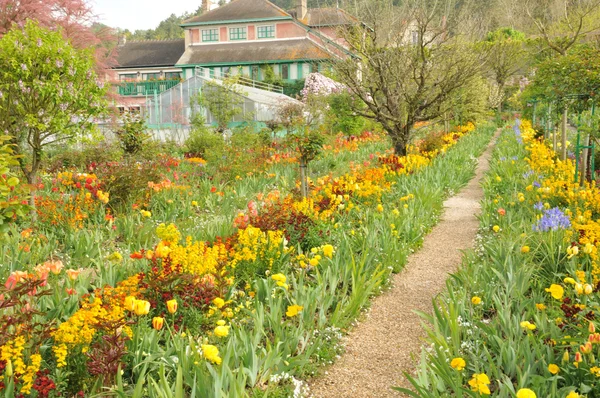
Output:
(300, 71)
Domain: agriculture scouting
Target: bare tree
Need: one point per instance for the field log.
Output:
(408, 62)
(562, 23)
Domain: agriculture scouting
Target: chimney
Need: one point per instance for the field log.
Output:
(301, 9)
(206, 5)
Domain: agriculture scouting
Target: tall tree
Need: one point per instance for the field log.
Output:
(49, 92)
(75, 17)
(561, 24)
(507, 56)
(410, 63)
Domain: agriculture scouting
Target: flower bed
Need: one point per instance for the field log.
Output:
(251, 312)
(520, 317)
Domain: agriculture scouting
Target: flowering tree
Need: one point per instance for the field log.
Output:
(75, 17)
(11, 191)
(48, 92)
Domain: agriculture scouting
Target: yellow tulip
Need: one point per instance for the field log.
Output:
(157, 322)
(172, 306)
(142, 307)
(130, 303)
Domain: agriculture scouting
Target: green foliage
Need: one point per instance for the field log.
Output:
(132, 133)
(343, 117)
(560, 78)
(223, 100)
(204, 143)
(49, 91)
(12, 191)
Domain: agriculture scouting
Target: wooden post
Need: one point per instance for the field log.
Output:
(584, 160)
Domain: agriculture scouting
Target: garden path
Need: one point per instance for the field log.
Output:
(379, 350)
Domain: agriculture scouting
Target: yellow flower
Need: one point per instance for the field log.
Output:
(540, 306)
(570, 280)
(525, 249)
(526, 393)
(130, 303)
(157, 322)
(479, 383)
(218, 302)
(528, 325)
(556, 291)
(573, 394)
(496, 228)
(572, 251)
(588, 289)
(293, 310)
(458, 364)
(280, 279)
(141, 307)
(553, 368)
(313, 262)
(194, 203)
(221, 323)
(145, 213)
(379, 208)
(211, 353)
(476, 300)
(172, 306)
(221, 331)
(328, 251)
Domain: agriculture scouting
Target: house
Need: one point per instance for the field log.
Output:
(253, 38)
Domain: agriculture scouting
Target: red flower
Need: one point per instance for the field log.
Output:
(213, 189)
(78, 184)
(136, 256)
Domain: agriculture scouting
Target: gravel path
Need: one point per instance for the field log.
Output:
(385, 345)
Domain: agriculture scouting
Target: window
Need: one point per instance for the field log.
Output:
(128, 77)
(226, 71)
(151, 76)
(209, 35)
(415, 37)
(254, 73)
(285, 71)
(237, 33)
(172, 75)
(266, 32)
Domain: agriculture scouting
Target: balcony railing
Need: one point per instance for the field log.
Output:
(146, 88)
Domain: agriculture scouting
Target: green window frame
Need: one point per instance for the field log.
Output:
(209, 35)
(238, 33)
(266, 32)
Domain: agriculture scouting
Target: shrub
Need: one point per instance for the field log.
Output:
(343, 118)
(205, 144)
(132, 133)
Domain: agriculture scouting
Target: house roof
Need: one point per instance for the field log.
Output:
(253, 52)
(150, 53)
(326, 17)
(240, 10)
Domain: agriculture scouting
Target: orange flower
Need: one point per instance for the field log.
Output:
(136, 255)
(73, 274)
(54, 266)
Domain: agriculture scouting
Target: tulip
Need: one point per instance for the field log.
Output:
(587, 288)
(566, 357)
(592, 328)
(158, 322)
(130, 303)
(586, 348)
(172, 306)
(73, 274)
(578, 288)
(578, 357)
(142, 307)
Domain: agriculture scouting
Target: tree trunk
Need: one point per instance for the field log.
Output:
(304, 177)
(400, 137)
(563, 148)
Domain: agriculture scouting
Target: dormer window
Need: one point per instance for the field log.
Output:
(266, 32)
(210, 35)
(237, 33)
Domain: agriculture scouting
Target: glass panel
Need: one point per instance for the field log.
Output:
(172, 75)
(209, 35)
(128, 77)
(237, 33)
(285, 71)
(151, 76)
(266, 32)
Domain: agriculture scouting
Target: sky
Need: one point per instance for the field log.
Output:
(140, 14)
